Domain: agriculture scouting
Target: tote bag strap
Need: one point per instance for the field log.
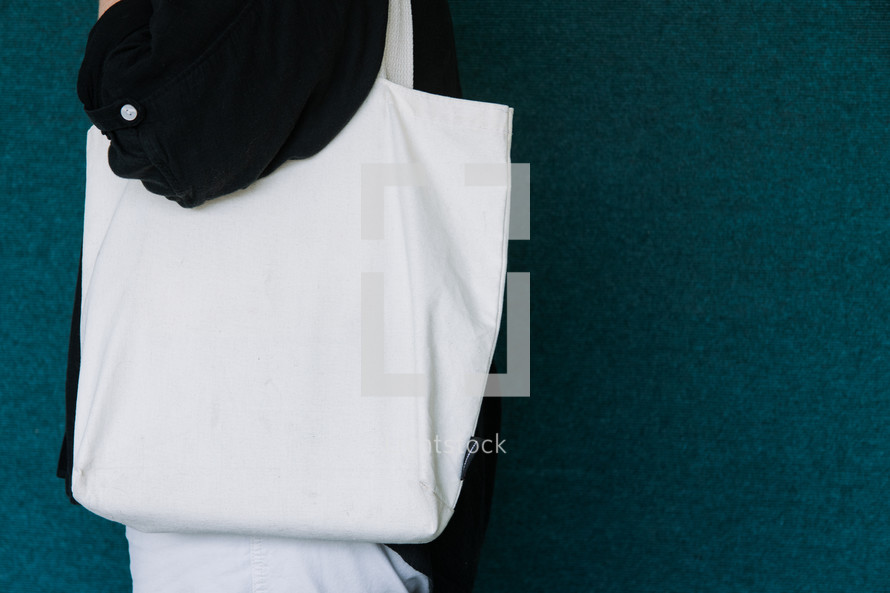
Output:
(398, 54)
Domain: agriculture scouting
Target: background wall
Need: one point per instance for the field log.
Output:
(46, 544)
(710, 265)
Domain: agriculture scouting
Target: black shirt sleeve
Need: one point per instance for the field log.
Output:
(202, 98)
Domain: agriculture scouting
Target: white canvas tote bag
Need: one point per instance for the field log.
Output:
(306, 357)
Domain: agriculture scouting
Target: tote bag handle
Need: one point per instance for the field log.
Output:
(398, 54)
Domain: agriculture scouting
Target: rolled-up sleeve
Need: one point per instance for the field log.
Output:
(202, 98)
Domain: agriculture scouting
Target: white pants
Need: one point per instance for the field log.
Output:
(189, 563)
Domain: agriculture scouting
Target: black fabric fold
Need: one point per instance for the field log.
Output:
(227, 91)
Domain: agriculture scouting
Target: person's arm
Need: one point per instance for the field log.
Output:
(105, 5)
(202, 98)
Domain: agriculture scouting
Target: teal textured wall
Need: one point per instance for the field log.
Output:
(46, 544)
(710, 264)
(710, 270)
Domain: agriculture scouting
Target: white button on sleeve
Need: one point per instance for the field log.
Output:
(128, 112)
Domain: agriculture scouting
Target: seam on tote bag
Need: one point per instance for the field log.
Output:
(435, 493)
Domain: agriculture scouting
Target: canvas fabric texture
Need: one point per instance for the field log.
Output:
(238, 359)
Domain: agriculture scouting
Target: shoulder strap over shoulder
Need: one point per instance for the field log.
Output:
(398, 56)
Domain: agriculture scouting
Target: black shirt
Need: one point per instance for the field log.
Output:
(221, 92)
